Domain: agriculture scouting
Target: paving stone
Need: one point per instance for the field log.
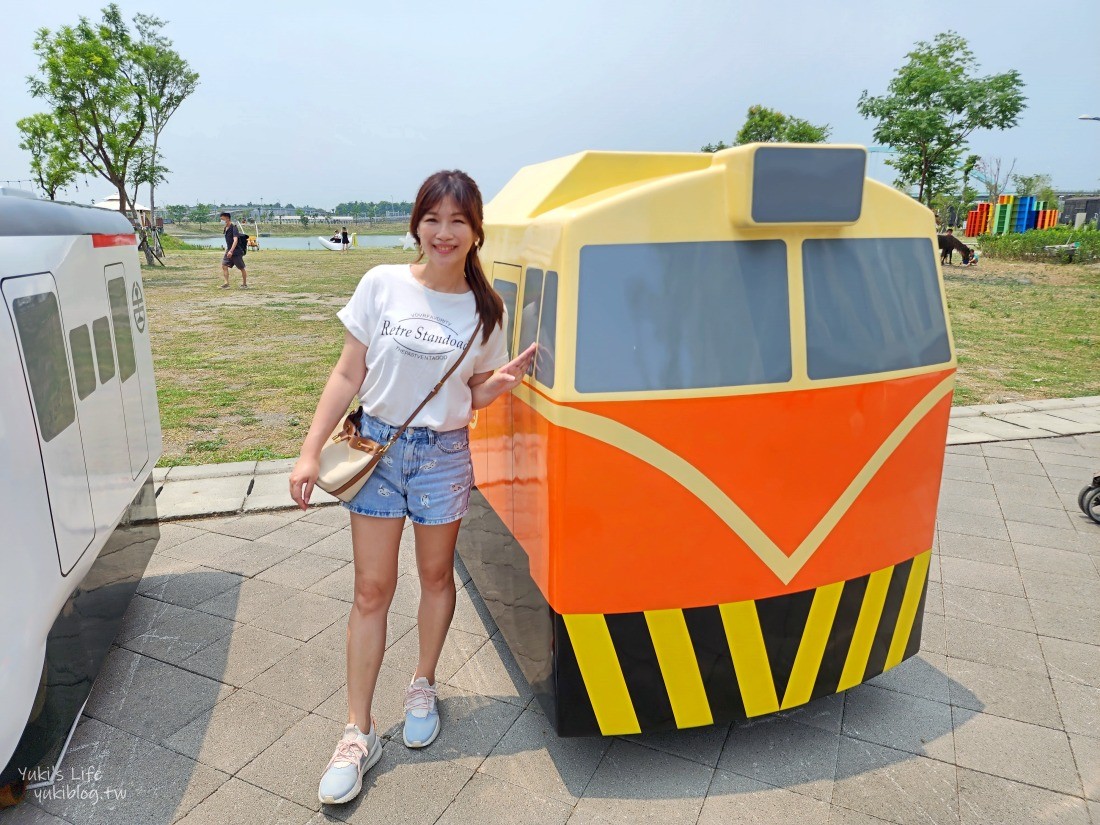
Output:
(247, 527)
(1067, 590)
(992, 645)
(534, 757)
(967, 489)
(147, 783)
(952, 458)
(387, 706)
(239, 728)
(172, 534)
(899, 721)
(130, 692)
(200, 497)
(329, 516)
(170, 633)
(844, 816)
(299, 534)
(702, 745)
(293, 764)
(1086, 753)
(302, 570)
(1013, 497)
(471, 614)
(923, 675)
(640, 785)
(1052, 560)
(1062, 459)
(304, 679)
(783, 752)
(214, 471)
(244, 804)
(28, 813)
(184, 583)
(472, 727)
(976, 548)
(933, 638)
(963, 438)
(488, 799)
(998, 691)
(998, 430)
(1015, 750)
(248, 601)
(980, 575)
(1072, 661)
(302, 616)
(335, 546)
(1041, 515)
(969, 506)
(339, 584)
(275, 466)
(230, 553)
(971, 525)
(335, 636)
(985, 799)
(978, 474)
(1079, 706)
(734, 798)
(1043, 536)
(894, 785)
(492, 671)
(1064, 621)
(241, 656)
(404, 652)
(964, 449)
(1024, 463)
(988, 608)
(270, 491)
(1013, 451)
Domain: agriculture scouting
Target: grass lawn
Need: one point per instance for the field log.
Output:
(239, 373)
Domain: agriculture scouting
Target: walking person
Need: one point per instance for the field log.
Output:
(234, 251)
(405, 326)
(344, 239)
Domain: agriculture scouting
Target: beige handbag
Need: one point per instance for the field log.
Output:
(348, 459)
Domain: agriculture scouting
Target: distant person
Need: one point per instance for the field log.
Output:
(344, 241)
(234, 251)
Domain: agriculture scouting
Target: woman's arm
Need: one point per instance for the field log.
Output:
(342, 385)
(487, 387)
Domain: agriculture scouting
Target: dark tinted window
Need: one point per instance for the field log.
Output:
(807, 185)
(682, 316)
(508, 292)
(124, 337)
(80, 345)
(104, 354)
(43, 343)
(548, 318)
(529, 316)
(872, 305)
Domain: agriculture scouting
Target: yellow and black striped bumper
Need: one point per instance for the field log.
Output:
(662, 669)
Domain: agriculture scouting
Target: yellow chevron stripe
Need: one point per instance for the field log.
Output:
(866, 626)
(603, 677)
(679, 667)
(750, 657)
(807, 662)
(917, 574)
(710, 494)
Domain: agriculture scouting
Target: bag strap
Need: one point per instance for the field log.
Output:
(436, 388)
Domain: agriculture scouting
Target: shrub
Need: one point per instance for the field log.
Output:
(1031, 244)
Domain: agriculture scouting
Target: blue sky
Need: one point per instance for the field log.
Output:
(319, 102)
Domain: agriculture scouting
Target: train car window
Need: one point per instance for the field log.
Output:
(872, 305)
(548, 316)
(529, 316)
(43, 343)
(508, 292)
(124, 337)
(104, 354)
(80, 345)
(665, 316)
(800, 185)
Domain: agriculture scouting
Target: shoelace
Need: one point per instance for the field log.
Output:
(418, 697)
(350, 750)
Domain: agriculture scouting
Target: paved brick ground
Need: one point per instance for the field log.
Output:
(225, 694)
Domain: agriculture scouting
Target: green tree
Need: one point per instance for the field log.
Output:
(933, 104)
(1041, 186)
(764, 125)
(177, 212)
(200, 213)
(54, 159)
(88, 75)
(168, 81)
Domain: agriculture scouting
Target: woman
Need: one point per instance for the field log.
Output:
(405, 325)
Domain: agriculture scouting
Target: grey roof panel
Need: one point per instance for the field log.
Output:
(22, 216)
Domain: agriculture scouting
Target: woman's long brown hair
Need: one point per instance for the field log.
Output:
(467, 196)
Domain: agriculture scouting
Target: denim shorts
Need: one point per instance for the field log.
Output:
(426, 475)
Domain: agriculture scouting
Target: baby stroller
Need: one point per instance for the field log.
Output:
(1089, 499)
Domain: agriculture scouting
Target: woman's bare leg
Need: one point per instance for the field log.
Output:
(435, 552)
(375, 543)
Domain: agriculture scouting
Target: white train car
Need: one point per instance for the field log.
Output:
(79, 437)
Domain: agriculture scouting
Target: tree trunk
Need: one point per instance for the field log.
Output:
(152, 185)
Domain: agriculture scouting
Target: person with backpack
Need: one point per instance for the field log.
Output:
(236, 245)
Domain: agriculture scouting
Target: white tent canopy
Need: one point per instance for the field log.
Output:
(112, 203)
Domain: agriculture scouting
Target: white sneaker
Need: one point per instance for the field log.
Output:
(421, 714)
(356, 753)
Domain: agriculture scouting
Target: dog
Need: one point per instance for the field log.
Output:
(949, 244)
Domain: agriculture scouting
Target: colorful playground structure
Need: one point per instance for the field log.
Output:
(1012, 213)
(714, 496)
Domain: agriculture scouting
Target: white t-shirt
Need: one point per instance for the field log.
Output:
(413, 335)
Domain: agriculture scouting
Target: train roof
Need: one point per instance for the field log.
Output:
(22, 216)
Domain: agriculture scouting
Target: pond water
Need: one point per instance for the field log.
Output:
(372, 241)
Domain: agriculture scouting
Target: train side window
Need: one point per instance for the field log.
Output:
(671, 316)
(548, 315)
(80, 345)
(104, 353)
(872, 305)
(509, 292)
(124, 336)
(529, 316)
(43, 343)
